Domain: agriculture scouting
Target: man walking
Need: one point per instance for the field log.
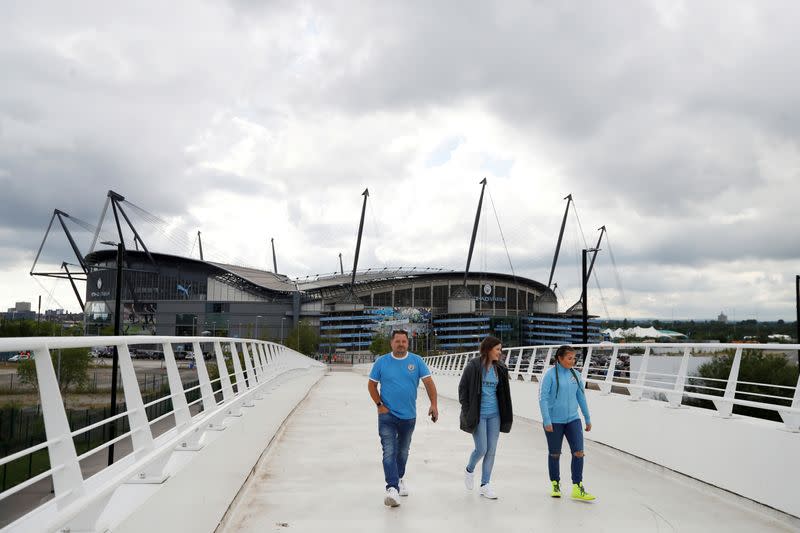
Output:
(398, 373)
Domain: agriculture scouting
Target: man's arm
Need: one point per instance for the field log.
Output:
(372, 387)
(430, 388)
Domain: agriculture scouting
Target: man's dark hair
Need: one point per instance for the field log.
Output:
(399, 332)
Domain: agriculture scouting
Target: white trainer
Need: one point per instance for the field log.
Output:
(487, 491)
(469, 479)
(403, 488)
(392, 498)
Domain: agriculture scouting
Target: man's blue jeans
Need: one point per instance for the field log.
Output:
(485, 438)
(574, 433)
(395, 436)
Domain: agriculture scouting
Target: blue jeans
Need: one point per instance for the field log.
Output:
(395, 436)
(574, 433)
(485, 438)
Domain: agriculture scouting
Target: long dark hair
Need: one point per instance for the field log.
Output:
(486, 346)
(560, 353)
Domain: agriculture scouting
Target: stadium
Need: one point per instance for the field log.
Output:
(443, 310)
(171, 295)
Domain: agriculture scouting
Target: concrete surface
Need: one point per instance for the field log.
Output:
(323, 473)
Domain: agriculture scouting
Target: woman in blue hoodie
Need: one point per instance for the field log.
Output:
(560, 394)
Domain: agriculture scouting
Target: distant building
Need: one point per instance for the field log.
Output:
(722, 318)
(22, 306)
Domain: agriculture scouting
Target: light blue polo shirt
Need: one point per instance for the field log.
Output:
(399, 379)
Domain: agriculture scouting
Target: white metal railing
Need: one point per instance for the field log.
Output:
(79, 501)
(601, 365)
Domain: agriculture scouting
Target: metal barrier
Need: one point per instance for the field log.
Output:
(78, 502)
(599, 365)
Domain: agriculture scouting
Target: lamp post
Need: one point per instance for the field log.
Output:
(283, 319)
(584, 294)
(115, 356)
(194, 326)
(257, 317)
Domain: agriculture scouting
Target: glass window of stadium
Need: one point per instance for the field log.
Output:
(382, 299)
(402, 298)
(440, 294)
(422, 296)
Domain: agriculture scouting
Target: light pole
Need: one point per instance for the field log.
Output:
(797, 295)
(283, 319)
(584, 294)
(194, 326)
(257, 317)
(115, 357)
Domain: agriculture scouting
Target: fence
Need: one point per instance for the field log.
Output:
(175, 418)
(608, 368)
(21, 428)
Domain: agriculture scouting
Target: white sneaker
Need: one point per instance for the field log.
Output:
(487, 491)
(403, 488)
(392, 498)
(469, 479)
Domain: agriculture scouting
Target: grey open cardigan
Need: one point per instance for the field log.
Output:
(469, 395)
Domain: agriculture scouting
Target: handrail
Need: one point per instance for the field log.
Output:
(675, 389)
(263, 361)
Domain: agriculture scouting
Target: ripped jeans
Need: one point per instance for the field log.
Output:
(574, 433)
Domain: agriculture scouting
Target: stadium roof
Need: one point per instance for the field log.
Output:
(327, 285)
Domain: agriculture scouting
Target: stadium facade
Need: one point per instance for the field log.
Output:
(171, 295)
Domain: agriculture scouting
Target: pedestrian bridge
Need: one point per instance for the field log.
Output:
(281, 441)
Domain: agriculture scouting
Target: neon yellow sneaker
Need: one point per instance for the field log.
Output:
(556, 492)
(579, 493)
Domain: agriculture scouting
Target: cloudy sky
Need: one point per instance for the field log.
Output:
(675, 124)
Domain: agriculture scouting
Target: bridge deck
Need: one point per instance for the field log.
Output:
(323, 473)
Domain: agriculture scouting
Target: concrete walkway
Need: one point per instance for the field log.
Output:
(323, 473)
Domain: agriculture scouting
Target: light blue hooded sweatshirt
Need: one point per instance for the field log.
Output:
(559, 403)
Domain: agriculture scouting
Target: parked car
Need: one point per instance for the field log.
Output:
(21, 356)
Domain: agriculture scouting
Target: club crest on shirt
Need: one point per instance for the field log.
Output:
(411, 367)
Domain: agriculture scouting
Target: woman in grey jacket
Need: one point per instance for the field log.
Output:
(485, 398)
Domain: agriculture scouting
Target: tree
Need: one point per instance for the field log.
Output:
(307, 336)
(73, 370)
(380, 345)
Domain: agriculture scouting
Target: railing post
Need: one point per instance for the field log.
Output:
(141, 435)
(587, 362)
(206, 391)
(725, 406)
(68, 480)
(605, 387)
(508, 356)
(546, 363)
(675, 397)
(241, 386)
(792, 420)
(530, 365)
(518, 362)
(180, 407)
(641, 378)
(253, 369)
(252, 380)
(225, 381)
(587, 357)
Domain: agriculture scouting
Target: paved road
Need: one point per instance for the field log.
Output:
(324, 474)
